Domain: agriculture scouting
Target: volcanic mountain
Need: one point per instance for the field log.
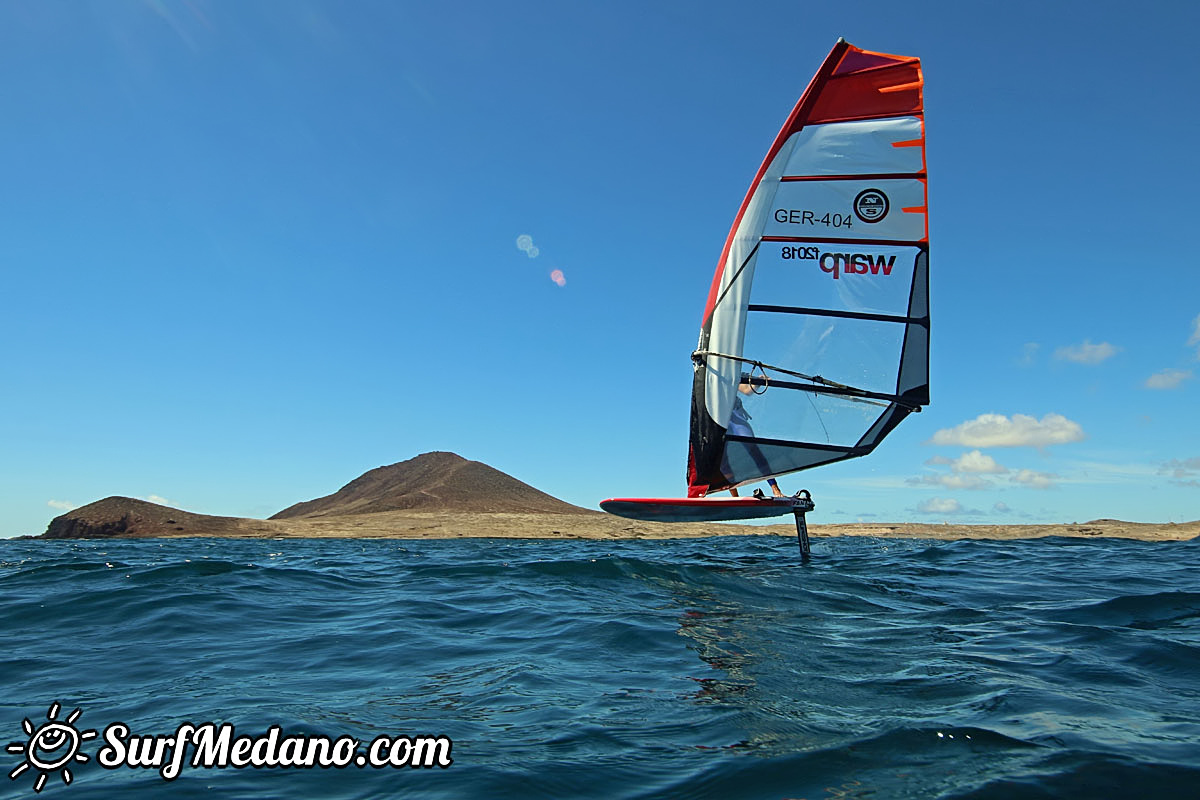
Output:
(433, 482)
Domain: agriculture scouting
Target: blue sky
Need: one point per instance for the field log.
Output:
(252, 249)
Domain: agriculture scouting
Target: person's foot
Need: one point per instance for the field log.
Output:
(776, 491)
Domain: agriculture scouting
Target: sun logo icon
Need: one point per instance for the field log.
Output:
(51, 746)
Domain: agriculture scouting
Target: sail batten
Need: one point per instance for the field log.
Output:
(824, 273)
(830, 312)
(878, 177)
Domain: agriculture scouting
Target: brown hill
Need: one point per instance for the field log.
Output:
(123, 517)
(439, 484)
(433, 482)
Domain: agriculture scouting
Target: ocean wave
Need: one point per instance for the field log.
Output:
(714, 668)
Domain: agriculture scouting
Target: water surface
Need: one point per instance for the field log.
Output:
(691, 668)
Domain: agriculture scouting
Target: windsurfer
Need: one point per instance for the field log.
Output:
(739, 425)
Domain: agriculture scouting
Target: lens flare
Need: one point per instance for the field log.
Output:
(525, 245)
(558, 277)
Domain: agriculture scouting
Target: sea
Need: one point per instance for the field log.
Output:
(720, 667)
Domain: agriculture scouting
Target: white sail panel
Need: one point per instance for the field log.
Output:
(849, 209)
(803, 416)
(864, 147)
(852, 352)
(864, 277)
(729, 319)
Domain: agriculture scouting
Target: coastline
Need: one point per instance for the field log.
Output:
(441, 495)
(597, 525)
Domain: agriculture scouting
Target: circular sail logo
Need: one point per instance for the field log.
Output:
(871, 205)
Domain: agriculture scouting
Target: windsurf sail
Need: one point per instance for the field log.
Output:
(814, 343)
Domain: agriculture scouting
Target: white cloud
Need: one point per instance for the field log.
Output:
(1086, 353)
(1035, 480)
(1002, 508)
(940, 505)
(1093, 473)
(162, 501)
(1182, 468)
(997, 430)
(1168, 379)
(951, 481)
(964, 482)
(965, 469)
(1029, 354)
(61, 505)
(1194, 339)
(977, 462)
